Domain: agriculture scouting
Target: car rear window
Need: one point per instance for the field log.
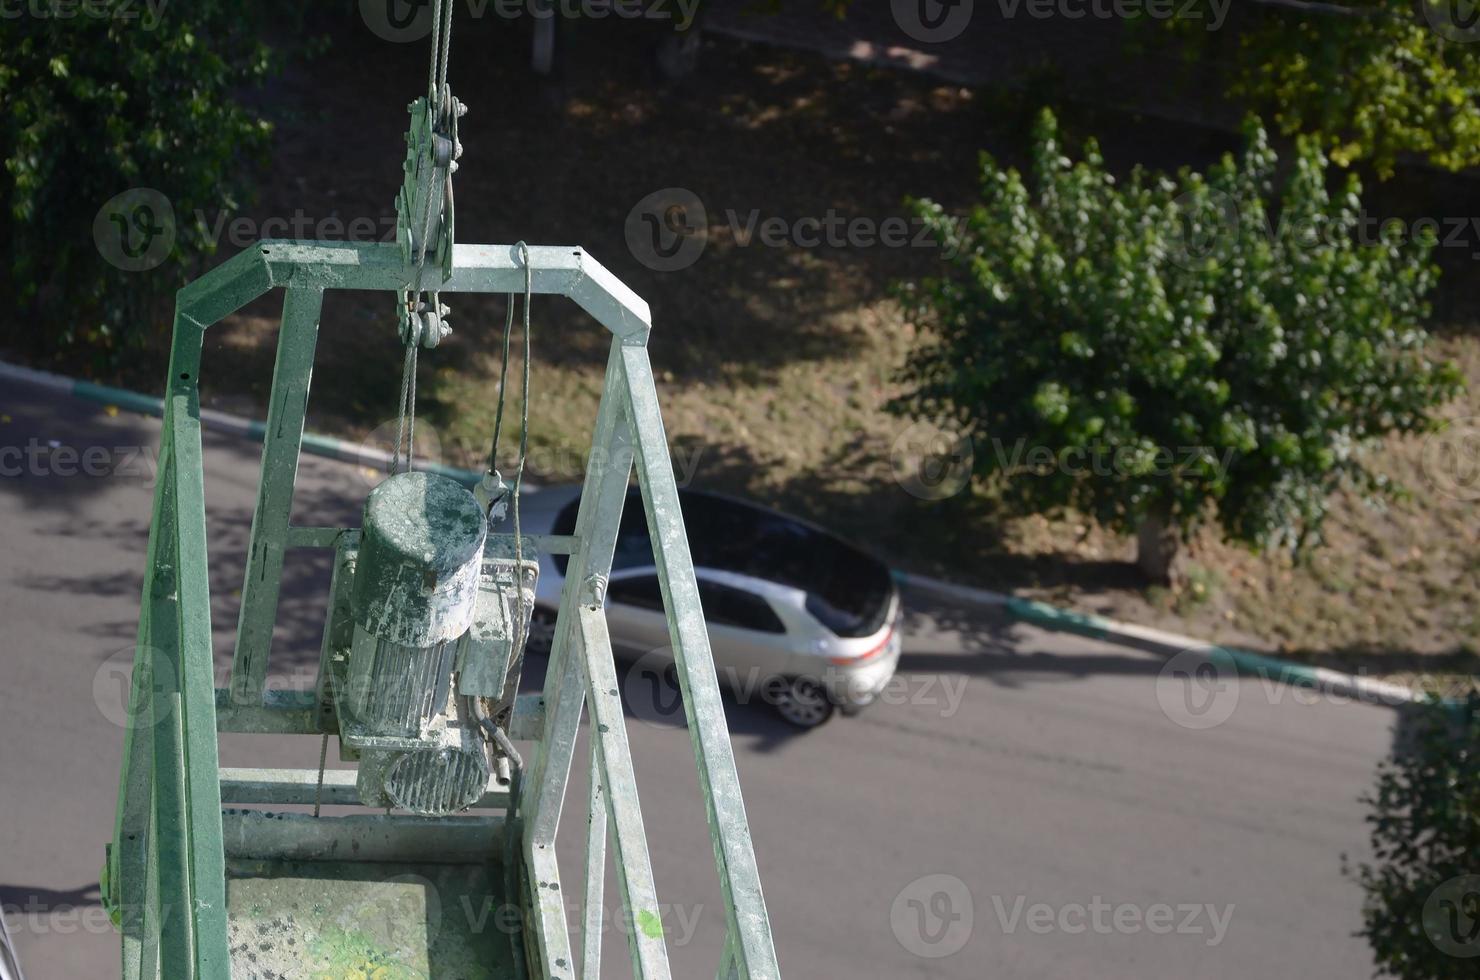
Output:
(728, 606)
(642, 592)
(847, 590)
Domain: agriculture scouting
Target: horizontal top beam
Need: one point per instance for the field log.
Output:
(561, 270)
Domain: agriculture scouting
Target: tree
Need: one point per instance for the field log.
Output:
(1422, 910)
(109, 98)
(1143, 351)
(1374, 79)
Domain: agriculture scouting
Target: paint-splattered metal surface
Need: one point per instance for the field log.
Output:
(342, 920)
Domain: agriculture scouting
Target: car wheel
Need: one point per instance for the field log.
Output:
(541, 632)
(804, 703)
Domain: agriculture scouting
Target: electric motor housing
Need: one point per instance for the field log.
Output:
(414, 596)
(415, 593)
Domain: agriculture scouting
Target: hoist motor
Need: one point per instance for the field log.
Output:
(414, 602)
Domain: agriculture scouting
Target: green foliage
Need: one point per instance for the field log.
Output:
(97, 99)
(1385, 78)
(1422, 905)
(1149, 347)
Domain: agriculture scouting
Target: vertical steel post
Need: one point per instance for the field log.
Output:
(595, 874)
(734, 853)
(609, 735)
(598, 517)
(291, 374)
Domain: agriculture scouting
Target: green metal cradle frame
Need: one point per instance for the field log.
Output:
(165, 875)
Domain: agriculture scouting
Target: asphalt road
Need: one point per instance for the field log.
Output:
(1027, 805)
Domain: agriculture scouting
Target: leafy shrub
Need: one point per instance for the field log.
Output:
(100, 98)
(1376, 80)
(1422, 913)
(1140, 349)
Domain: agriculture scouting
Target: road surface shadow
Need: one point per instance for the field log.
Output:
(22, 899)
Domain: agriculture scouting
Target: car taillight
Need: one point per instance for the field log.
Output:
(864, 658)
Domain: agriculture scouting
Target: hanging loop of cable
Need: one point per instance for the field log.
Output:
(503, 385)
(521, 628)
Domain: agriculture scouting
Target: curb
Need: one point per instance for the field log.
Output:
(315, 443)
(1366, 690)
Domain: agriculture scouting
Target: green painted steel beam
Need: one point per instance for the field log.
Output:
(126, 868)
(267, 835)
(704, 710)
(608, 733)
(597, 519)
(545, 902)
(603, 496)
(224, 290)
(282, 787)
(561, 270)
(595, 871)
(291, 376)
(196, 688)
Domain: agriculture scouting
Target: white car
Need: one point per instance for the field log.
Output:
(797, 616)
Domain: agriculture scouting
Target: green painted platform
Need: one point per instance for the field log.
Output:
(339, 920)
